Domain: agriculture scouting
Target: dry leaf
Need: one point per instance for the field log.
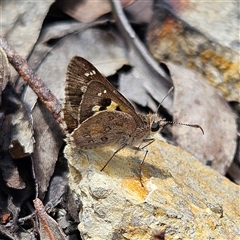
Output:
(89, 44)
(147, 77)
(21, 28)
(197, 102)
(94, 9)
(139, 12)
(57, 189)
(10, 172)
(21, 130)
(49, 139)
(15, 128)
(4, 72)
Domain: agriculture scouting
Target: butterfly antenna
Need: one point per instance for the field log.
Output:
(172, 122)
(169, 91)
(184, 124)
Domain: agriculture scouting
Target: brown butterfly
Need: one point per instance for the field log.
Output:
(97, 115)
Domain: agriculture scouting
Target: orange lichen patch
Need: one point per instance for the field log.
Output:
(220, 62)
(138, 191)
(232, 72)
(167, 33)
(170, 39)
(229, 68)
(5, 218)
(171, 28)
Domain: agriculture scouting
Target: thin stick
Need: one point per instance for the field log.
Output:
(34, 81)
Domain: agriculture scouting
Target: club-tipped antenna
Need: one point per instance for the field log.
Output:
(169, 91)
(184, 124)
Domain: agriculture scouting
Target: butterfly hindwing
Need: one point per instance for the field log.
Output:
(104, 128)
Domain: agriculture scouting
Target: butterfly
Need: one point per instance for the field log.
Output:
(97, 115)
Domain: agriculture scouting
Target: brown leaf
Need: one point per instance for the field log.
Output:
(26, 21)
(197, 102)
(49, 139)
(17, 150)
(15, 127)
(94, 9)
(21, 127)
(139, 12)
(5, 218)
(147, 78)
(10, 173)
(89, 42)
(21, 28)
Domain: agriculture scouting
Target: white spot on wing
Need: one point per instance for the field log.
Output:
(84, 89)
(92, 72)
(95, 108)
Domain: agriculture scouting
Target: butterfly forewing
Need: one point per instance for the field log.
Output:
(102, 116)
(103, 98)
(76, 84)
(80, 73)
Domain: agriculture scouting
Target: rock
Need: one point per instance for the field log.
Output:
(197, 36)
(180, 196)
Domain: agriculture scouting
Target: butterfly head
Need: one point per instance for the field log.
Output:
(156, 123)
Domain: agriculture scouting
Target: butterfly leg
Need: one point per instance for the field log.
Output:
(140, 165)
(113, 156)
(149, 140)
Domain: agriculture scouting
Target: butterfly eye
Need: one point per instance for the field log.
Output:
(155, 126)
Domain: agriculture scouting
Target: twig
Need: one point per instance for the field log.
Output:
(34, 81)
(43, 218)
(158, 81)
(134, 42)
